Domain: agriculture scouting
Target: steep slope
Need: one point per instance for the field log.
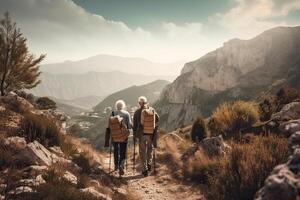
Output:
(241, 69)
(71, 86)
(107, 63)
(130, 95)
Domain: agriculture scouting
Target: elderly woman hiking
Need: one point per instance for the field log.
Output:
(118, 130)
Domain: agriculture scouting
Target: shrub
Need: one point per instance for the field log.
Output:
(40, 128)
(242, 172)
(83, 161)
(199, 129)
(229, 118)
(44, 103)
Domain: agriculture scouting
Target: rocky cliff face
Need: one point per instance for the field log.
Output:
(241, 69)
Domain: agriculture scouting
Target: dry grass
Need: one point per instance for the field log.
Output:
(241, 173)
(40, 128)
(229, 118)
(237, 175)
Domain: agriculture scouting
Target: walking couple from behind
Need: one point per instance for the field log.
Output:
(145, 126)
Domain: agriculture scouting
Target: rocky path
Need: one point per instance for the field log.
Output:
(159, 186)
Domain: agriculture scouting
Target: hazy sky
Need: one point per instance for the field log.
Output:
(159, 30)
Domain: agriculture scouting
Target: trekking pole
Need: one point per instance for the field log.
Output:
(154, 162)
(110, 150)
(126, 163)
(133, 167)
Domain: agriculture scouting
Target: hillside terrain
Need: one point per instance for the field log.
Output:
(241, 69)
(130, 95)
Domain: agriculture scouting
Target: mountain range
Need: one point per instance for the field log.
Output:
(240, 69)
(73, 86)
(108, 63)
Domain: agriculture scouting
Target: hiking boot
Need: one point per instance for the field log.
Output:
(149, 167)
(121, 171)
(145, 173)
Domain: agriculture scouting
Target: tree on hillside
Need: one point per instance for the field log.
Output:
(18, 67)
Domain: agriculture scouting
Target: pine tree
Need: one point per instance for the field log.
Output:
(18, 67)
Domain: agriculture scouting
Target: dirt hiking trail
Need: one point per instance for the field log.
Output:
(160, 186)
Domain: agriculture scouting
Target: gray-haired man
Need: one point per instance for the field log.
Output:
(142, 133)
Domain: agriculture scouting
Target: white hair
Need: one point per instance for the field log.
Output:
(120, 105)
(142, 99)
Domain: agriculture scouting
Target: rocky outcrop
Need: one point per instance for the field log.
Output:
(284, 181)
(241, 69)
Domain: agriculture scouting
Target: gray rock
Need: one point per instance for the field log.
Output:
(290, 111)
(294, 141)
(290, 127)
(214, 146)
(36, 154)
(294, 162)
(282, 185)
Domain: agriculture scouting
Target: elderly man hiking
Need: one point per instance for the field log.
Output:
(118, 131)
(144, 129)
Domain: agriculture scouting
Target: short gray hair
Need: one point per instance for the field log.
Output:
(120, 105)
(142, 99)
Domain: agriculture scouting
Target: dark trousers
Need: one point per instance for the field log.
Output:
(120, 149)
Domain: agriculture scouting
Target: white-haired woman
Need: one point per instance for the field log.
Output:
(120, 141)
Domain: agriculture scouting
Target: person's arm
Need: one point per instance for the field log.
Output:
(129, 122)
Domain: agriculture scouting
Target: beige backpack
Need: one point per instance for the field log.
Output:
(148, 120)
(117, 129)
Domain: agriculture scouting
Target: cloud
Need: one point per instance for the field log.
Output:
(65, 30)
(250, 17)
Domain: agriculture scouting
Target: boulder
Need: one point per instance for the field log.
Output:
(290, 127)
(36, 154)
(39, 180)
(294, 141)
(288, 112)
(214, 145)
(294, 162)
(69, 177)
(282, 184)
(92, 191)
(21, 190)
(15, 143)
